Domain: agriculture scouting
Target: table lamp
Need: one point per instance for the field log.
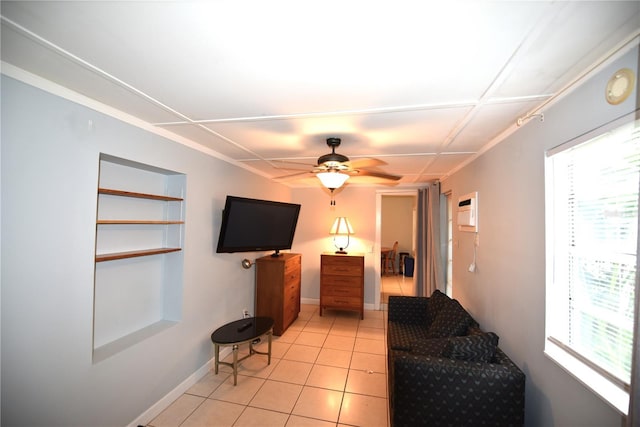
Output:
(341, 227)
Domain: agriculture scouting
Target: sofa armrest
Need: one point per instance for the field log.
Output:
(428, 390)
(408, 309)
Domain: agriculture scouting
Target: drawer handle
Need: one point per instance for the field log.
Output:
(344, 291)
(337, 301)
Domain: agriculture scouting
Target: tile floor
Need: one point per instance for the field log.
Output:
(395, 284)
(325, 371)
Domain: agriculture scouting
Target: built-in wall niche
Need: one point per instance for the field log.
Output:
(139, 258)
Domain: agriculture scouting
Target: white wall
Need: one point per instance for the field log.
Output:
(506, 294)
(49, 181)
(312, 234)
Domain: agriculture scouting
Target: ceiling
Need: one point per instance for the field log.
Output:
(423, 86)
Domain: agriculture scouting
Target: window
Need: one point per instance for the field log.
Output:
(592, 230)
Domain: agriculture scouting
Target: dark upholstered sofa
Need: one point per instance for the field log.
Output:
(445, 371)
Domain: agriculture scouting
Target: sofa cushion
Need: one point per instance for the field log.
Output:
(430, 347)
(473, 348)
(401, 335)
(436, 301)
(405, 309)
(452, 320)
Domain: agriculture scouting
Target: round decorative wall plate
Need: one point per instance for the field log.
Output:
(620, 86)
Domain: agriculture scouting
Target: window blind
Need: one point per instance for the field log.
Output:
(595, 215)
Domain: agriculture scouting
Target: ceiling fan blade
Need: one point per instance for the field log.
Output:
(288, 165)
(293, 176)
(376, 174)
(364, 162)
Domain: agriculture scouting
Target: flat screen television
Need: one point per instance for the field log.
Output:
(253, 225)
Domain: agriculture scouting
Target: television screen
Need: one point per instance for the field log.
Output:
(252, 225)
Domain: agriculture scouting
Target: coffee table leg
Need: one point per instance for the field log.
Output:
(235, 364)
(216, 352)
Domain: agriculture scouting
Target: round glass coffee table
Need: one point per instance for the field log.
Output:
(240, 332)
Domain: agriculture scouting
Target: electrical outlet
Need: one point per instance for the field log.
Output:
(245, 313)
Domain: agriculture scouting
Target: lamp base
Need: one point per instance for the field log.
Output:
(343, 252)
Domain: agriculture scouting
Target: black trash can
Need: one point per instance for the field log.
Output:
(408, 266)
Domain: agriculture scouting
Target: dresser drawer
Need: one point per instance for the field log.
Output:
(289, 315)
(291, 277)
(337, 302)
(292, 265)
(348, 281)
(291, 305)
(342, 291)
(342, 260)
(344, 265)
(290, 289)
(342, 270)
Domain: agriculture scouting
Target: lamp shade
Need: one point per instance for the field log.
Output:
(341, 226)
(332, 180)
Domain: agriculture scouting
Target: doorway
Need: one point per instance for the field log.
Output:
(396, 221)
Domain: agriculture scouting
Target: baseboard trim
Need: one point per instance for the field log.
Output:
(162, 404)
(316, 301)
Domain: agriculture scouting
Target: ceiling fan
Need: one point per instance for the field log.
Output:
(333, 169)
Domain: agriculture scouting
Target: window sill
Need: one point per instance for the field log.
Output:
(598, 384)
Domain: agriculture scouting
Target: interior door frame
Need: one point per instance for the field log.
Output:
(378, 244)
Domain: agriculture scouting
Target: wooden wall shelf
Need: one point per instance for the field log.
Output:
(133, 254)
(122, 193)
(136, 221)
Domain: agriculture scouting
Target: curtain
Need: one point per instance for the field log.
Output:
(429, 269)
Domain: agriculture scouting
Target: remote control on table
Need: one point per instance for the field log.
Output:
(245, 327)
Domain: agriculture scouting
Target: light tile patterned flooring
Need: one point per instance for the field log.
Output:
(325, 371)
(396, 284)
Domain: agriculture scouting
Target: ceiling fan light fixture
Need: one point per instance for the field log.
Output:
(332, 159)
(332, 180)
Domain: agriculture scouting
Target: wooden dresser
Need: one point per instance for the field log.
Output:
(278, 289)
(342, 282)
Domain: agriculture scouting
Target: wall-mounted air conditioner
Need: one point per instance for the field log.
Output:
(468, 212)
